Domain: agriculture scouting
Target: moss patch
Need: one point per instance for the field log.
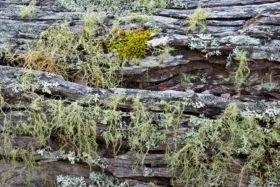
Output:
(130, 44)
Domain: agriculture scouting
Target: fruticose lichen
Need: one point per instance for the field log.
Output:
(210, 151)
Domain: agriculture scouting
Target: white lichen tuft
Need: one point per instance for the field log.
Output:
(204, 43)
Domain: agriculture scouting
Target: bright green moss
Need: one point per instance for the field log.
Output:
(130, 44)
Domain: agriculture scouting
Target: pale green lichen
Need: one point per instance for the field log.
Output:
(114, 5)
(242, 72)
(28, 10)
(101, 179)
(204, 43)
(96, 179)
(142, 136)
(2, 100)
(137, 18)
(30, 82)
(197, 19)
(67, 181)
(229, 137)
(73, 125)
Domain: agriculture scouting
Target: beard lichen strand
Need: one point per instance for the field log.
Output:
(243, 71)
(115, 131)
(203, 157)
(11, 154)
(73, 125)
(210, 155)
(58, 50)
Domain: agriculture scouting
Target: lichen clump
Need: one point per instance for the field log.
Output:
(73, 126)
(42, 61)
(197, 19)
(59, 50)
(96, 179)
(209, 155)
(140, 132)
(116, 6)
(28, 10)
(242, 72)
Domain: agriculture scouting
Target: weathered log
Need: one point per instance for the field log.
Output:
(251, 25)
(44, 83)
(155, 168)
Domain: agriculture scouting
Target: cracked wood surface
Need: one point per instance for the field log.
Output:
(155, 169)
(253, 25)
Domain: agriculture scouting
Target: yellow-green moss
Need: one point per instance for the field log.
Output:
(130, 44)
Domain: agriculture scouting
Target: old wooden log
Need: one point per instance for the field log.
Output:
(205, 85)
(155, 168)
(251, 26)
